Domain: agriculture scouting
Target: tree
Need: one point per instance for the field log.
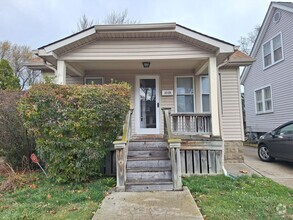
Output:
(7, 78)
(113, 18)
(119, 18)
(246, 43)
(83, 23)
(17, 56)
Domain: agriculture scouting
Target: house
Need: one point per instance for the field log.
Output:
(185, 97)
(268, 81)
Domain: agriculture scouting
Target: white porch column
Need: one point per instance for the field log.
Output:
(214, 100)
(61, 72)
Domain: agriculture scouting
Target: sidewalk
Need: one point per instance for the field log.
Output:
(171, 205)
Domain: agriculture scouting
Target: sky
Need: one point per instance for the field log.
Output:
(38, 22)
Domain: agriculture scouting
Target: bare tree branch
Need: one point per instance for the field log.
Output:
(83, 23)
(119, 18)
(246, 43)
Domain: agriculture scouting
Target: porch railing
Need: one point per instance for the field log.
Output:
(174, 151)
(191, 123)
(121, 147)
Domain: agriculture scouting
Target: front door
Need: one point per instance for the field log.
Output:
(147, 105)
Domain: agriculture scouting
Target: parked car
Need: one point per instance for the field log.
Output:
(277, 143)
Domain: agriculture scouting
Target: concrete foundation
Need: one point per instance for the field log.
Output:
(233, 152)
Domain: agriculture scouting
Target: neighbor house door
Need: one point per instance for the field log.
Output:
(147, 107)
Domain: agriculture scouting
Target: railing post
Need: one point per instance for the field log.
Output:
(174, 146)
(120, 165)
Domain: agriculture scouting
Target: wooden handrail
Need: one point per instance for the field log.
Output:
(167, 113)
(127, 126)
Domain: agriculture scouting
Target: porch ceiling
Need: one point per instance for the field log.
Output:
(186, 64)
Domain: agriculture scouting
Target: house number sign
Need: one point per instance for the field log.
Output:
(167, 92)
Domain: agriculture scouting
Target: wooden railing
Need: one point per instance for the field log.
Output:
(190, 123)
(121, 147)
(174, 151)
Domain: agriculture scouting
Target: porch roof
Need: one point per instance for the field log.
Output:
(51, 52)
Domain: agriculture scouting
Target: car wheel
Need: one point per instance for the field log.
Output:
(264, 153)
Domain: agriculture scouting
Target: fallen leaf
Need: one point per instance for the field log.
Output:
(49, 196)
(53, 212)
(73, 209)
(33, 186)
(243, 171)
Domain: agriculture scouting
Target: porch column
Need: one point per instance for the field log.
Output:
(61, 73)
(214, 100)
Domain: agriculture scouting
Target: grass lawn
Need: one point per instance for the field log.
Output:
(43, 199)
(221, 197)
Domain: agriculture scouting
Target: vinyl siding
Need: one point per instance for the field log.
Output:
(232, 123)
(135, 50)
(279, 76)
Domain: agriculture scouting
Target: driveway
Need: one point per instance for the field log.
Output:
(279, 171)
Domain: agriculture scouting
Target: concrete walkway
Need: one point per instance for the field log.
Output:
(171, 205)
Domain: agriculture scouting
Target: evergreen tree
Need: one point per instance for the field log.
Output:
(7, 78)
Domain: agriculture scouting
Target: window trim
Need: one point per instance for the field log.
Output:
(193, 87)
(263, 100)
(92, 77)
(272, 51)
(201, 93)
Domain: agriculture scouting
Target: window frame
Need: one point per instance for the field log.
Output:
(201, 93)
(264, 111)
(193, 87)
(93, 77)
(272, 51)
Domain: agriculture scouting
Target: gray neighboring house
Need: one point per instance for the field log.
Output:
(268, 82)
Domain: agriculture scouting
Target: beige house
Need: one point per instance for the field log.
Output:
(185, 89)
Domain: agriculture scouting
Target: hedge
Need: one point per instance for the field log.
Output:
(74, 125)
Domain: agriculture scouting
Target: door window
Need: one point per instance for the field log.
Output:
(147, 94)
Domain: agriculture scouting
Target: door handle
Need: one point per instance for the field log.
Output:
(158, 105)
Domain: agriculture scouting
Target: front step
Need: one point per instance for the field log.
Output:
(148, 166)
(149, 186)
(141, 162)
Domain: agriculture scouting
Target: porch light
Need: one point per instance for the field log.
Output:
(146, 64)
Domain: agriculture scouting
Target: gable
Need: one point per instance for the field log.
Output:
(136, 49)
(270, 29)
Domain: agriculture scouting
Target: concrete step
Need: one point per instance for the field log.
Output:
(141, 162)
(148, 186)
(150, 176)
(148, 153)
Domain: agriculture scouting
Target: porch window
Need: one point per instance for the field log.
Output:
(272, 51)
(263, 100)
(205, 93)
(94, 80)
(185, 94)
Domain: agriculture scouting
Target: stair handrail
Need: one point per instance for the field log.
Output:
(121, 147)
(174, 145)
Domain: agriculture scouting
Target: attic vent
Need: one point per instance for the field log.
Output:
(277, 17)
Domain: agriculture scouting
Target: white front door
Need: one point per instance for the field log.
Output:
(147, 109)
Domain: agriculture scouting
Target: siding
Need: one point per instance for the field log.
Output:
(280, 76)
(135, 50)
(232, 123)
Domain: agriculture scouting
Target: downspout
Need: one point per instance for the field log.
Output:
(220, 115)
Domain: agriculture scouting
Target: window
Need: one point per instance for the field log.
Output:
(272, 51)
(205, 93)
(185, 94)
(94, 80)
(263, 100)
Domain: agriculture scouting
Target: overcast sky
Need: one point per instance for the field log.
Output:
(39, 22)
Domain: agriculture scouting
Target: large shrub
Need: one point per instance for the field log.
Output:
(74, 125)
(7, 78)
(15, 144)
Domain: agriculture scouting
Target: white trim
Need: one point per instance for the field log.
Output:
(223, 47)
(272, 51)
(263, 100)
(69, 40)
(193, 87)
(201, 105)
(93, 77)
(139, 130)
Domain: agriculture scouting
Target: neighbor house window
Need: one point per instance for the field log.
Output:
(263, 100)
(205, 93)
(185, 94)
(94, 80)
(272, 51)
